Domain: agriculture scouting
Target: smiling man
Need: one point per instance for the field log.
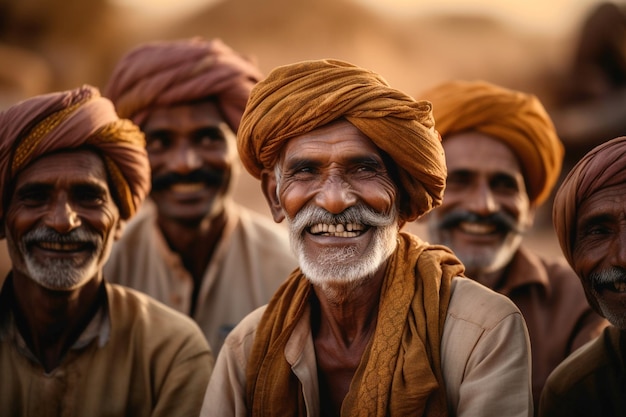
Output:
(192, 246)
(71, 343)
(504, 157)
(589, 217)
(374, 321)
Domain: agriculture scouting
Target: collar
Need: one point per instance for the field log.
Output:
(525, 269)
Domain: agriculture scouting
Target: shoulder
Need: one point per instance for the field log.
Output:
(476, 304)
(134, 313)
(584, 364)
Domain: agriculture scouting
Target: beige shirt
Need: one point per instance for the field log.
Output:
(136, 358)
(250, 262)
(485, 359)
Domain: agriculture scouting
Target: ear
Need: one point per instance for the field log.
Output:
(269, 187)
(119, 229)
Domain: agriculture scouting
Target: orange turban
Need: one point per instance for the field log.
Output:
(69, 120)
(604, 166)
(297, 98)
(519, 120)
(173, 72)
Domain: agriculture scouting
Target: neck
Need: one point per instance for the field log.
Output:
(51, 321)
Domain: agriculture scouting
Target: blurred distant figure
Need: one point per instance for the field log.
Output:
(192, 246)
(591, 103)
(590, 222)
(503, 157)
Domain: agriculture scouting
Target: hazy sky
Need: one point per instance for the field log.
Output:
(537, 15)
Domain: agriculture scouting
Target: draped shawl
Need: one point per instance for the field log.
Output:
(400, 372)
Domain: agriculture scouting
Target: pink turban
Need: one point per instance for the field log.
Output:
(174, 72)
(519, 120)
(604, 166)
(69, 120)
(297, 98)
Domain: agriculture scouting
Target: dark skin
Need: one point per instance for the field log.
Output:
(61, 192)
(192, 154)
(335, 167)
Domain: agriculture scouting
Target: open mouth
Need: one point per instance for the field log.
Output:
(473, 228)
(63, 246)
(615, 286)
(187, 187)
(338, 230)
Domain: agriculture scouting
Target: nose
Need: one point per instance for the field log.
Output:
(481, 200)
(185, 159)
(335, 195)
(62, 217)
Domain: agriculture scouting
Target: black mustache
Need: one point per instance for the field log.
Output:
(206, 176)
(502, 221)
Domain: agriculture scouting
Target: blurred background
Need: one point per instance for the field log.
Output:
(570, 53)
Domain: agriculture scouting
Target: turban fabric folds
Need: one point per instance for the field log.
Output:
(602, 167)
(517, 119)
(295, 99)
(167, 73)
(69, 120)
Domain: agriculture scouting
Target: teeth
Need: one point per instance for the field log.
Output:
(187, 187)
(60, 246)
(477, 228)
(620, 286)
(340, 230)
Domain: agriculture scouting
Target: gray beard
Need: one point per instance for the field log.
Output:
(344, 265)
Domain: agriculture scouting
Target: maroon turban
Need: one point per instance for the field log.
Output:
(298, 98)
(175, 72)
(517, 119)
(604, 166)
(69, 120)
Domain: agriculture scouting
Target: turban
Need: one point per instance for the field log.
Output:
(295, 99)
(167, 73)
(604, 166)
(74, 119)
(517, 119)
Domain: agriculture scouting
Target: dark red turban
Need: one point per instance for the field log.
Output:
(166, 73)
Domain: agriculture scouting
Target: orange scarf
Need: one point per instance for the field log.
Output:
(400, 373)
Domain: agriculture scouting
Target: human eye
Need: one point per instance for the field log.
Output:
(157, 141)
(33, 195)
(458, 179)
(504, 183)
(210, 137)
(88, 194)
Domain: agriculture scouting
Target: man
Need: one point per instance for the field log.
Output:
(192, 247)
(504, 157)
(72, 173)
(589, 219)
(374, 321)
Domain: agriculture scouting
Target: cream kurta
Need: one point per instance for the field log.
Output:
(252, 260)
(136, 358)
(485, 359)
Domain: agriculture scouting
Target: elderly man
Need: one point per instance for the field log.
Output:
(71, 343)
(192, 246)
(504, 157)
(590, 221)
(374, 321)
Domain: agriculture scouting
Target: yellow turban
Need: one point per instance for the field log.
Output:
(166, 73)
(69, 120)
(604, 166)
(297, 98)
(519, 120)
